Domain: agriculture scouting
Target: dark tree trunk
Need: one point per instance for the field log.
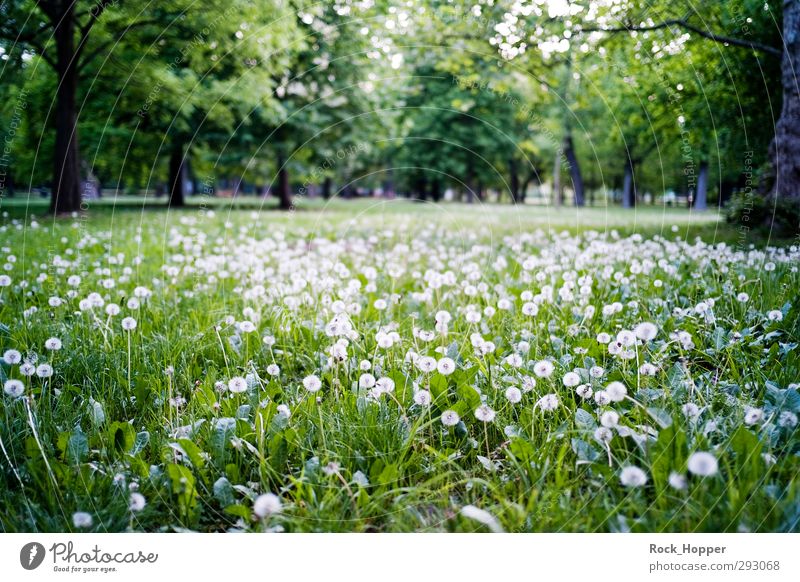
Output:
(422, 189)
(177, 175)
(726, 191)
(701, 193)
(784, 151)
(327, 185)
(574, 171)
(514, 180)
(629, 186)
(66, 195)
(284, 188)
(436, 191)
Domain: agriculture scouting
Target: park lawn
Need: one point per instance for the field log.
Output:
(395, 366)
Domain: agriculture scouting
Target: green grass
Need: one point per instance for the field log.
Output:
(107, 422)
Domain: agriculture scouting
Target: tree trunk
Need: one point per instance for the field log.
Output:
(701, 193)
(629, 186)
(284, 188)
(327, 185)
(574, 171)
(784, 179)
(66, 196)
(436, 191)
(177, 175)
(422, 189)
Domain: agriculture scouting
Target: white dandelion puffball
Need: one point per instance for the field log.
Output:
(616, 391)
(237, 384)
(753, 416)
(266, 505)
(609, 419)
(53, 344)
(312, 383)
(137, 502)
(422, 397)
(571, 379)
(82, 520)
(513, 394)
(446, 366)
(646, 331)
(677, 481)
(12, 357)
(543, 368)
(703, 464)
(484, 413)
(450, 418)
(632, 476)
(129, 324)
(14, 388)
(426, 364)
(273, 370)
(366, 381)
(44, 370)
(548, 402)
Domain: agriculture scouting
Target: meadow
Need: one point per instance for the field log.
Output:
(391, 367)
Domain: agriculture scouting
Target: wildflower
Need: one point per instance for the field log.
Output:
(82, 520)
(753, 416)
(366, 381)
(129, 324)
(237, 384)
(53, 344)
(571, 379)
(273, 370)
(596, 372)
(136, 502)
(284, 410)
(775, 315)
(584, 391)
(548, 402)
(268, 340)
(450, 418)
(513, 395)
(422, 397)
(426, 364)
(12, 357)
(44, 370)
(703, 464)
(484, 413)
(616, 391)
(603, 435)
(27, 369)
(446, 366)
(677, 481)
(14, 388)
(312, 383)
(514, 360)
(266, 505)
(609, 419)
(646, 331)
(385, 385)
(632, 476)
(601, 397)
(543, 368)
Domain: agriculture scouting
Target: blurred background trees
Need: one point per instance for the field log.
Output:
(542, 102)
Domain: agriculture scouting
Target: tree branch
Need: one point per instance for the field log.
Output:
(680, 23)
